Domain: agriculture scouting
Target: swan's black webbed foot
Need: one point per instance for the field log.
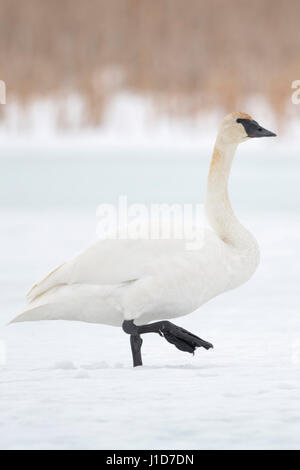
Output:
(181, 338)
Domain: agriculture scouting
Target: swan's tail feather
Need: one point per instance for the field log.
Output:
(77, 302)
(32, 314)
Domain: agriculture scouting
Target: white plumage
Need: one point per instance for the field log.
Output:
(148, 280)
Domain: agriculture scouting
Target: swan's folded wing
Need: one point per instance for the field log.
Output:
(46, 283)
(108, 262)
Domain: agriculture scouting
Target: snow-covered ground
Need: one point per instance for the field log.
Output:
(71, 386)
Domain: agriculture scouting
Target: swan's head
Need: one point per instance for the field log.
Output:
(239, 127)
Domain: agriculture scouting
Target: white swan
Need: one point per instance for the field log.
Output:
(133, 282)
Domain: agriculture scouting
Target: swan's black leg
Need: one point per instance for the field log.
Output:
(181, 338)
(136, 345)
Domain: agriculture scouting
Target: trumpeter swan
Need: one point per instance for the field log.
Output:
(130, 283)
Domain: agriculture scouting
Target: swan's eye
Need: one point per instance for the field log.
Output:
(258, 127)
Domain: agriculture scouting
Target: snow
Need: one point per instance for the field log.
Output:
(69, 385)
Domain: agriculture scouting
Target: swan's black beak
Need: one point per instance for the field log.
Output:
(253, 129)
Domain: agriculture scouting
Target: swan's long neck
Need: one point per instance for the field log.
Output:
(218, 208)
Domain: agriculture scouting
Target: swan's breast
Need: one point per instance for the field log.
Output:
(243, 262)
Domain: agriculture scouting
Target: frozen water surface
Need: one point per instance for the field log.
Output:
(70, 385)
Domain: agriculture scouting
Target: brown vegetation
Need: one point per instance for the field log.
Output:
(187, 54)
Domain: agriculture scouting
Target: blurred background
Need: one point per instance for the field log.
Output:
(186, 58)
(171, 59)
(124, 97)
(137, 79)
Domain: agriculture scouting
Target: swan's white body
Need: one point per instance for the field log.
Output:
(148, 280)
